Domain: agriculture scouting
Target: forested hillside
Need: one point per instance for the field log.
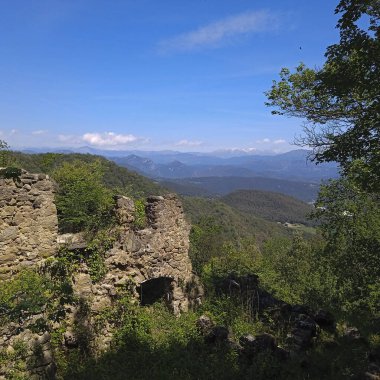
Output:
(236, 225)
(114, 176)
(305, 191)
(270, 206)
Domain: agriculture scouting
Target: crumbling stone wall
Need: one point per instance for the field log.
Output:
(28, 222)
(160, 250)
(30, 354)
(29, 234)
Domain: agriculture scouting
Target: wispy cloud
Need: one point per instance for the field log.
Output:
(216, 33)
(108, 139)
(102, 139)
(39, 132)
(264, 141)
(188, 143)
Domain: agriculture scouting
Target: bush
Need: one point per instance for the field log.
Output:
(295, 272)
(10, 172)
(140, 220)
(83, 201)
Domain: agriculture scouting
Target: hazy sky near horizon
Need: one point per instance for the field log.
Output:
(186, 75)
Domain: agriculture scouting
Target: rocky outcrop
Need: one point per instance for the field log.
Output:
(28, 222)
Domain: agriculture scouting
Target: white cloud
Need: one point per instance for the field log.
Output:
(217, 32)
(188, 143)
(264, 141)
(108, 139)
(104, 139)
(269, 141)
(13, 132)
(235, 149)
(39, 132)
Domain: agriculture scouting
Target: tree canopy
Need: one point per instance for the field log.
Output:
(83, 201)
(340, 102)
(4, 153)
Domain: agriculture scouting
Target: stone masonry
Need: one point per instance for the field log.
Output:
(159, 251)
(28, 222)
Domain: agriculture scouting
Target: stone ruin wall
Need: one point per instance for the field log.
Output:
(29, 235)
(28, 222)
(160, 250)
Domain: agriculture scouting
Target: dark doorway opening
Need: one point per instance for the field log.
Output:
(155, 290)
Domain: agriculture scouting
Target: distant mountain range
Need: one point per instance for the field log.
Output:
(293, 165)
(217, 173)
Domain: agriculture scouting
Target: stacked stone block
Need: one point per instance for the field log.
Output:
(28, 222)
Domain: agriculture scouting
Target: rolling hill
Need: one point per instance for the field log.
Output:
(115, 177)
(235, 225)
(212, 186)
(270, 206)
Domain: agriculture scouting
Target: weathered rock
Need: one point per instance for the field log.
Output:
(70, 339)
(72, 241)
(205, 324)
(124, 210)
(259, 343)
(324, 318)
(218, 334)
(371, 376)
(82, 285)
(304, 322)
(251, 346)
(301, 336)
(247, 341)
(352, 334)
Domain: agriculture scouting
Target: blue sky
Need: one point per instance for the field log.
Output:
(186, 75)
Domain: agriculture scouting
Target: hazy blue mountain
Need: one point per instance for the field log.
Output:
(171, 164)
(293, 165)
(224, 171)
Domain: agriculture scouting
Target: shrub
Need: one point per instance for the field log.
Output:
(83, 201)
(10, 172)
